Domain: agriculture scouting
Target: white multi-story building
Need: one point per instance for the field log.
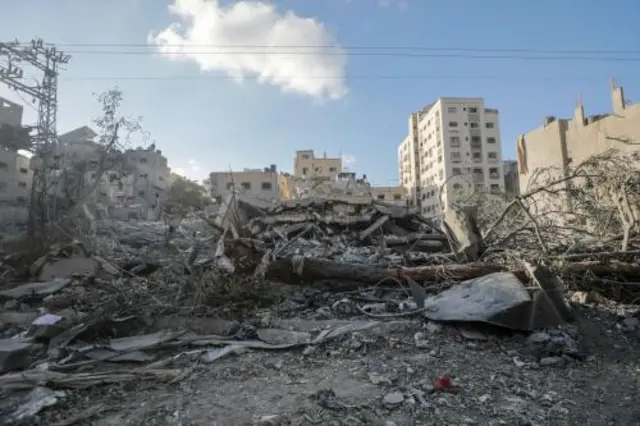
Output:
(453, 144)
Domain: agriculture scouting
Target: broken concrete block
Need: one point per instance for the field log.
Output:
(14, 354)
(37, 289)
(68, 267)
(460, 226)
(47, 327)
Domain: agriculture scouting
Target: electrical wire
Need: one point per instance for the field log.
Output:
(348, 77)
(355, 47)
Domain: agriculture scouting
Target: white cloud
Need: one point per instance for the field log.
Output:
(194, 165)
(211, 30)
(400, 4)
(348, 160)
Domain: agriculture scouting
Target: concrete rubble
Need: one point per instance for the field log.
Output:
(91, 312)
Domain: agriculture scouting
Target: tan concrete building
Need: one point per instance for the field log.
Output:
(15, 173)
(307, 165)
(136, 176)
(568, 142)
(389, 194)
(453, 144)
(261, 183)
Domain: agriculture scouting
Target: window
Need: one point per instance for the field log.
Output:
(473, 125)
(140, 193)
(305, 170)
(452, 110)
(333, 169)
(305, 156)
(495, 188)
(143, 161)
(455, 156)
(473, 110)
(457, 186)
(453, 124)
(489, 125)
(457, 171)
(397, 197)
(3, 165)
(475, 140)
(455, 141)
(477, 156)
(491, 140)
(494, 173)
(493, 155)
(24, 170)
(318, 169)
(160, 178)
(477, 171)
(266, 186)
(380, 197)
(479, 187)
(246, 185)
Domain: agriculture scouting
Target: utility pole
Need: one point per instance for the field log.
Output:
(46, 59)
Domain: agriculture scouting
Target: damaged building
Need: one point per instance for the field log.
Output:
(261, 183)
(135, 177)
(567, 142)
(15, 173)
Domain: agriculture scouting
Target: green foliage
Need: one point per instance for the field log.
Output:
(185, 196)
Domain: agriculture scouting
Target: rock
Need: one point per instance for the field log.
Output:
(421, 340)
(539, 337)
(432, 327)
(272, 420)
(473, 335)
(48, 326)
(630, 323)
(393, 398)
(378, 379)
(14, 354)
(552, 361)
(586, 297)
(10, 305)
(64, 268)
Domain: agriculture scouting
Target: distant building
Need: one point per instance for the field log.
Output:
(453, 144)
(136, 176)
(511, 178)
(262, 183)
(307, 166)
(565, 143)
(15, 174)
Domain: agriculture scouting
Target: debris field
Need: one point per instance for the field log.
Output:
(327, 310)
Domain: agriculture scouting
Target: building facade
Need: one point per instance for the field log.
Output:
(15, 174)
(453, 145)
(138, 176)
(565, 143)
(389, 194)
(262, 183)
(307, 166)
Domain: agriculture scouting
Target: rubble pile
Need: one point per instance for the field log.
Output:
(86, 306)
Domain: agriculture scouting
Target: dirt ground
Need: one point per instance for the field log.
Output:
(498, 379)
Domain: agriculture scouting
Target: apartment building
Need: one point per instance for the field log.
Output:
(453, 144)
(567, 142)
(261, 183)
(15, 174)
(306, 165)
(135, 176)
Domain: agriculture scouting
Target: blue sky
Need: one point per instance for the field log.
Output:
(203, 120)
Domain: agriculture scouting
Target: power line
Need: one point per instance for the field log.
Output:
(355, 47)
(371, 54)
(348, 77)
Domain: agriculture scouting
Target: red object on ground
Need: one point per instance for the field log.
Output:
(442, 383)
